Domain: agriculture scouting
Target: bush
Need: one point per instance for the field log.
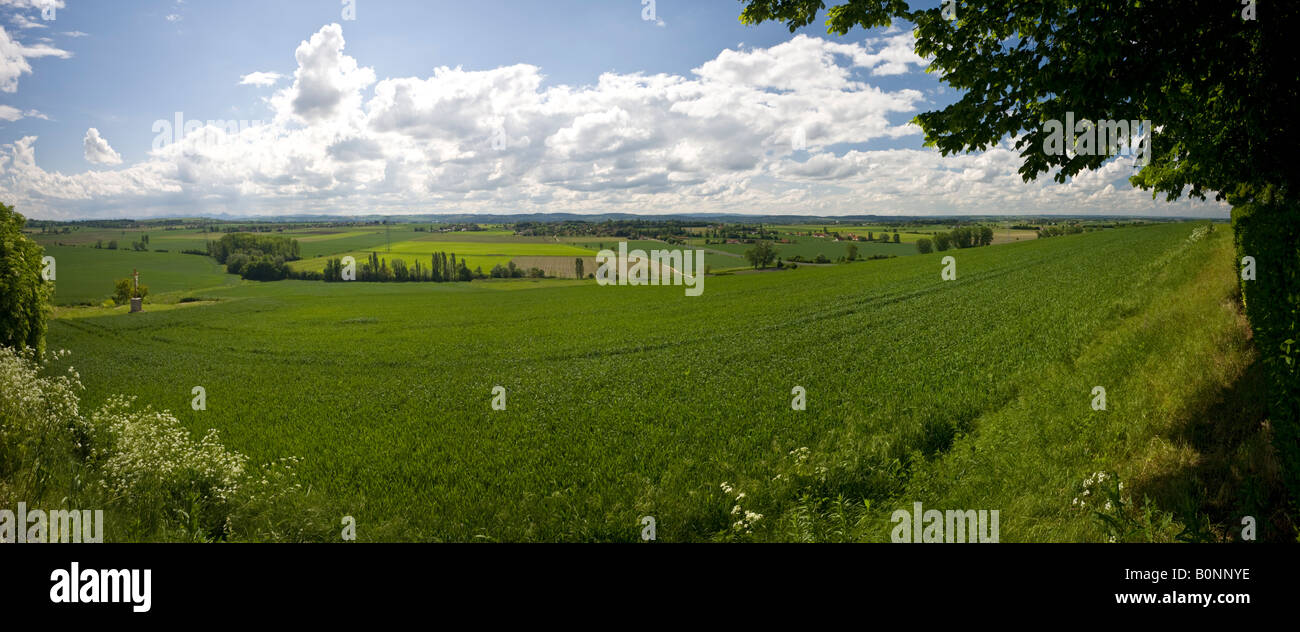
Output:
(123, 291)
(924, 246)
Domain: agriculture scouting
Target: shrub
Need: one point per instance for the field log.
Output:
(123, 291)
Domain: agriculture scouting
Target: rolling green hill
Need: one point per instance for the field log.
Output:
(626, 402)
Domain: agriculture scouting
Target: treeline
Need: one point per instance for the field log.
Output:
(1057, 231)
(629, 229)
(960, 237)
(442, 268)
(255, 257)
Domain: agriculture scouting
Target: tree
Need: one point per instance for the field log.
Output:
(852, 252)
(124, 290)
(986, 236)
(1218, 86)
(761, 255)
(942, 241)
(24, 293)
(577, 268)
(896, 240)
(924, 246)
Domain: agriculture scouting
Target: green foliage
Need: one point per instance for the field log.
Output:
(254, 246)
(942, 241)
(24, 294)
(442, 268)
(761, 255)
(924, 246)
(1272, 237)
(255, 257)
(124, 290)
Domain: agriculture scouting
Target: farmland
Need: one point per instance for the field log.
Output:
(634, 401)
(86, 275)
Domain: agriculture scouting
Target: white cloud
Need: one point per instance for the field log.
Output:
(719, 139)
(173, 17)
(14, 56)
(23, 22)
(262, 79)
(32, 4)
(327, 82)
(98, 151)
(11, 114)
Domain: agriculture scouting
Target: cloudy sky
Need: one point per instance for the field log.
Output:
(141, 108)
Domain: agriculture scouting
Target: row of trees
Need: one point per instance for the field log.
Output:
(512, 271)
(960, 237)
(442, 268)
(1057, 231)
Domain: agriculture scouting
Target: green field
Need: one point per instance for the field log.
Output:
(484, 254)
(86, 275)
(625, 402)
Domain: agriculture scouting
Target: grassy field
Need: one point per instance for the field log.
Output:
(634, 401)
(86, 275)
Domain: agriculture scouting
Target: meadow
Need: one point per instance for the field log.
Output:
(86, 275)
(625, 402)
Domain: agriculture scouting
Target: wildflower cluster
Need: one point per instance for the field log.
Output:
(744, 519)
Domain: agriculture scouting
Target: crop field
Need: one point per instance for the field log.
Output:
(477, 254)
(632, 401)
(86, 275)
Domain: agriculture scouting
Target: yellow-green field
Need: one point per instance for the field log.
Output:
(476, 254)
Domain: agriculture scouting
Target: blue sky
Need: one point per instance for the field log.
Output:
(539, 109)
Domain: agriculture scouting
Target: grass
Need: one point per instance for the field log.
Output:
(86, 275)
(633, 401)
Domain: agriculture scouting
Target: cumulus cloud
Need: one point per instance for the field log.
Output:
(98, 151)
(327, 81)
(783, 129)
